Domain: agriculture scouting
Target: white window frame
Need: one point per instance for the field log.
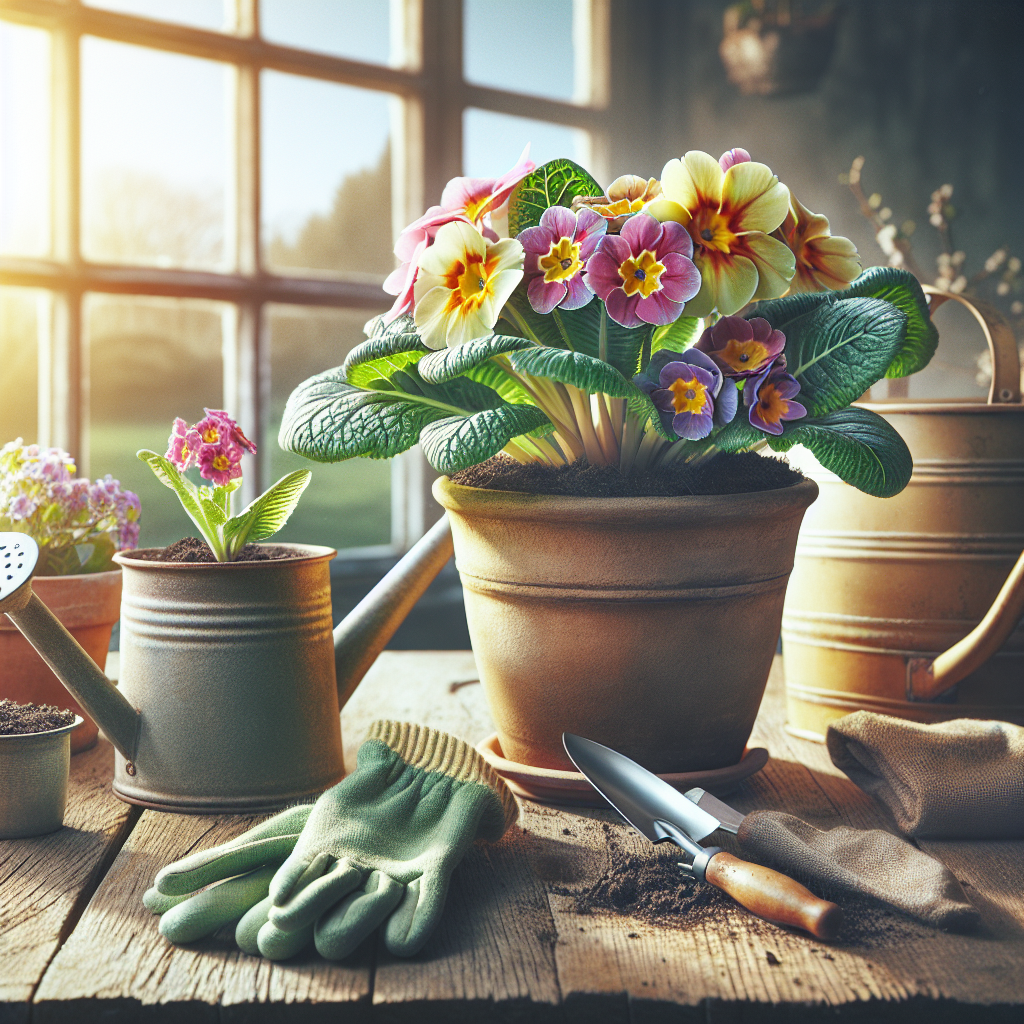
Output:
(430, 95)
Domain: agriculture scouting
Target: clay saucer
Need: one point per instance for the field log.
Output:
(552, 786)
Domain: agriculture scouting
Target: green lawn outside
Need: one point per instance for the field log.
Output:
(345, 505)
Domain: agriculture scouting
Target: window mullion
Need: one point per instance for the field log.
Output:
(63, 369)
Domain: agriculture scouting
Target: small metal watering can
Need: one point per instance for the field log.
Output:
(231, 680)
(909, 606)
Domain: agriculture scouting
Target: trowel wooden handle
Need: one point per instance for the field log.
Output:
(773, 896)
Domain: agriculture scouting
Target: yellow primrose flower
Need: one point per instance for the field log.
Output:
(730, 216)
(462, 284)
(626, 195)
(823, 260)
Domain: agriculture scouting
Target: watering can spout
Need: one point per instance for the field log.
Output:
(365, 631)
(99, 697)
(929, 678)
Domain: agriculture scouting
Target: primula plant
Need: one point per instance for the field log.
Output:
(215, 445)
(657, 321)
(79, 525)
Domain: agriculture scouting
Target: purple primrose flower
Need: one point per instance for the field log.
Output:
(557, 251)
(769, 398)
(742, 348)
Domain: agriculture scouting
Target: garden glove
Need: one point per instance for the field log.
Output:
(382, 844)
(198, 894)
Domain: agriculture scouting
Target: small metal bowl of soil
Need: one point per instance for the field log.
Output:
(35, 756)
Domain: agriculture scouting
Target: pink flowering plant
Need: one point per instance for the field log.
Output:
(652, 322)
(214, 446)
(78, 524)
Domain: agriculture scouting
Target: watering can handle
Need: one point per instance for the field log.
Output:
(364, 632)
(1002, 345)
(929, 678)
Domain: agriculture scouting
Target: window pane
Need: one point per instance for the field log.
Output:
(22, 310)
(24, 140)
(150, 360)
(347, 504)
(524, 46)
(357, 29)
(200, 13)
(491, 143)
(154, 156)
(326, 177)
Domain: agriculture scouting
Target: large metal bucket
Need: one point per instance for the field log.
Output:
(895, 605)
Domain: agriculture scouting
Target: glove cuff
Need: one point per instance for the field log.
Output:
(419, 746)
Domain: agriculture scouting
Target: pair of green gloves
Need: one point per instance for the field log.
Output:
(379, 846)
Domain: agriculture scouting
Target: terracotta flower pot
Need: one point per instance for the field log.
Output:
(648, 624)
(88, 606)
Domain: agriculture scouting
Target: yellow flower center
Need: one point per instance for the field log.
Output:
(771, 406)
(641, 274)
(743, 355)
(469, 283)
(561, 262)
(712, 230)
(221, 463)
(211, 435)
(688, 395)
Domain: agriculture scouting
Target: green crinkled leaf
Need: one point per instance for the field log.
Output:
(215, 513)
(390, 347)
(555, 183)
(857, 445)
(188, 494)
(328, 420)
(262, 518)
(457, 442)
(449, 363)
(678, 335)
(594, 333)
(889, 284)
(738, 435)
(589, 374)
(839, 349)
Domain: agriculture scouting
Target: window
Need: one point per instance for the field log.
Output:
(198, 197)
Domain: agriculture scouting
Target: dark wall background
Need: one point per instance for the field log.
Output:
(929, 91)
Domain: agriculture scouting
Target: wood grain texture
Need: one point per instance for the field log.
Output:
(117, 967)
(46, 882)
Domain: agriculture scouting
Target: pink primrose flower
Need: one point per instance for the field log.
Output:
(230, 428)
(183, 444)
(21, 507)
(733, 157)
(742, 348)
(644, 274)
(464, 199)
(557, 251)
(769, 398)
(220, 463)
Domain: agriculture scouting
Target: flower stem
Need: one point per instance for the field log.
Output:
(602, 336)
(557, 317)
(585, 423)
(605, 431)
(521, 323)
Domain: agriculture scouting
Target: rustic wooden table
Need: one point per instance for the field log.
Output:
(519, 940)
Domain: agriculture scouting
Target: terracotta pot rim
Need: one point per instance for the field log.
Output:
(106, 574)
(45, 732)
(311, 553)
(527, 505)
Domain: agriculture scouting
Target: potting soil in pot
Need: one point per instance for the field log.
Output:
(18, 719)
(725, 473)
(192, 549)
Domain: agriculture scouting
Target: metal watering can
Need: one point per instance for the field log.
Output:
(231, 675)
(909, 606)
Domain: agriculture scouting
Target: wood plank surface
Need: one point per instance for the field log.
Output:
(560, 921)
(46, 882)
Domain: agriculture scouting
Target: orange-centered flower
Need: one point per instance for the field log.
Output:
(771, 406)
(462, 284)
(688, 396)
(730, 216)
(211, 435)
(823, 260)
(626, 195)
(641, 274)
(562, 261)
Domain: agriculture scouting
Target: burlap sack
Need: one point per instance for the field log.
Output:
(874, 863)
(952, 780)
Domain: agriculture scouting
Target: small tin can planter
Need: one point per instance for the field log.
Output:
(34, 781)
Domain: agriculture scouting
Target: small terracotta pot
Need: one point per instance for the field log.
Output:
(647, 624)
(88, 606)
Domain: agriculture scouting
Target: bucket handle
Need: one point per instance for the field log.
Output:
(1002, 345)
(927, 678)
